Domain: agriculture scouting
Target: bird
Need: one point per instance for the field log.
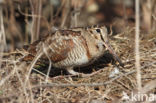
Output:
(74, 47)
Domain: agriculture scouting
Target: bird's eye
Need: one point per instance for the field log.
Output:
(98, 30)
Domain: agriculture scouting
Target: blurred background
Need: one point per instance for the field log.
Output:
(25, 21)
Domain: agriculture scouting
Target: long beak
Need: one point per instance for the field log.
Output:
(113, 53)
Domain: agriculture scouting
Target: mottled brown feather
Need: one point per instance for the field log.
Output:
(84, 42)
(61, 52)
(70, 32)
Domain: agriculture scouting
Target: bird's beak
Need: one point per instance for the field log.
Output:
(106, 44)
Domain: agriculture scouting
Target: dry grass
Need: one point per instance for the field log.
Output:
(100, 86)
(21, 82)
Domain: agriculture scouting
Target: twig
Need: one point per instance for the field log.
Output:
(65, 13)
(85, 75)
(89, 84)
(28, 15)
(38, 55)
(2, 35)
(36, 7)
(154, 17)
(50, 63)
(137, 53)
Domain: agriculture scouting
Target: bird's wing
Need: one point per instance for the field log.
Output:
(60, 44)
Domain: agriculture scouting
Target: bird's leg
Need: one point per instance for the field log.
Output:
(71, 71)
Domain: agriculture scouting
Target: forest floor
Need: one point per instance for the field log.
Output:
(20, 82)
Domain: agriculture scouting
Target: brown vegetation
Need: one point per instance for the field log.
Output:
(24, 21)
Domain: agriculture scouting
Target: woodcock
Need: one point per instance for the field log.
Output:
(74, 47)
